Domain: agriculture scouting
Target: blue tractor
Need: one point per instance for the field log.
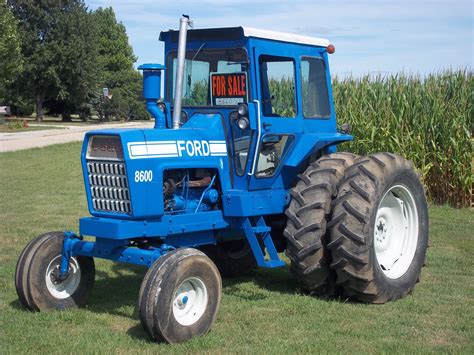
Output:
(240, 166)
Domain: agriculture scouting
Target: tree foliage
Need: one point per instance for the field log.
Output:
(70, 54)
(10, 53)
(115, 60)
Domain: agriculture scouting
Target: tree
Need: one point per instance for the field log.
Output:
(57, 43)
(115, 59)
(10, 54)
(76, 58)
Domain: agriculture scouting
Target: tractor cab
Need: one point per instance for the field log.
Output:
(267, 87)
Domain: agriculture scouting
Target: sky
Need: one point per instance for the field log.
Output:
(371, 37)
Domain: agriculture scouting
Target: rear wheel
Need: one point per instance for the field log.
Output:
(180, 296)
(379, 232)
(308, 212)
(36, 280)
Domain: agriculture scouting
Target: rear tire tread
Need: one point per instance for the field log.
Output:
(308, 213)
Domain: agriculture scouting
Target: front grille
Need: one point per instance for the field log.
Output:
(109, 187)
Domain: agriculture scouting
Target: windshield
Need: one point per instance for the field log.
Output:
(212, 77)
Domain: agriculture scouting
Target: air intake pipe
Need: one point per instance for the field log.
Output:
(184, 22)
(152, 91)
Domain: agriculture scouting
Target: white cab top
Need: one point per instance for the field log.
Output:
(285, 37)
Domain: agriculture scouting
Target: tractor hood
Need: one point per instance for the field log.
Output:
(123, 169)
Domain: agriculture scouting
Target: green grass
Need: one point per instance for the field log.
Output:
(42, 190)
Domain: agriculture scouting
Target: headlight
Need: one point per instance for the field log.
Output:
(243, 110)
(243, 123)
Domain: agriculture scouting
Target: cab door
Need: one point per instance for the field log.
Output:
(279, 121)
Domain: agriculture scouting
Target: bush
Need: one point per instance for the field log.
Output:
(22, 108)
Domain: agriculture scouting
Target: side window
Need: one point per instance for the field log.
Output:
(272, 150)
(277, 75)
(314, 88)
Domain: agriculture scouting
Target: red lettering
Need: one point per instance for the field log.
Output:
(229, 85)
(236, 87)
(214, 85)
(243, 84)
(223, 88)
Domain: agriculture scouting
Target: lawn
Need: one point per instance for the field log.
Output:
(42, 190)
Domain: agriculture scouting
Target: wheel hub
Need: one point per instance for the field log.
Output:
(381, 233)
(190, 301)
(182, 300)
(56, 277)
(62, 288)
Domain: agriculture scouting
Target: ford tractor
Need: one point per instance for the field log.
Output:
(240, 167)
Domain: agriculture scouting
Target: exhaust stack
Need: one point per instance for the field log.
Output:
(184, 22)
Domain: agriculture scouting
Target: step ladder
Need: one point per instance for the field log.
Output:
(257, 233)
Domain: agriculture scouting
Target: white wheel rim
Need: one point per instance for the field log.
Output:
(190, 301)
(396, 231)
(67, 287)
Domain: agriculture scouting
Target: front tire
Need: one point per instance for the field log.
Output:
(35, 281)
(379, 232)
(180, 296)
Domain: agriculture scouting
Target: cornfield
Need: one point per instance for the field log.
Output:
(429, 121)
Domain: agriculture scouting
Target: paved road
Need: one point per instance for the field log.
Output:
(10, 142)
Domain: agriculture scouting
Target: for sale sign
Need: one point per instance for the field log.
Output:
(228, 89)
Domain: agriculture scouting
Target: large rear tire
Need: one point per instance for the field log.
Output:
(379, 230)
(308, 213)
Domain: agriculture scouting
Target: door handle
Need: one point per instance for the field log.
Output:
(266, 126)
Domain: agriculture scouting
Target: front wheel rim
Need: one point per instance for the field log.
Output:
(190, 301)
(396, 231)
(66, 288)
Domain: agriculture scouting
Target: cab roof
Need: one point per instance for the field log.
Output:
(235, 33)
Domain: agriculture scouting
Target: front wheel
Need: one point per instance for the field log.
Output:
(36, 283)
(379, 229)
(180, 296)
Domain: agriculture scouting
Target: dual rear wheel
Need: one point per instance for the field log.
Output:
(358, 226)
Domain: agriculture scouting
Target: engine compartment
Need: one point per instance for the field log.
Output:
(190, 190)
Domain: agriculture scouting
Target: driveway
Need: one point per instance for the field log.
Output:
(10, 142)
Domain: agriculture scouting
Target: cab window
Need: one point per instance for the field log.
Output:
(314, 88)
(277, 76)
(200, 66)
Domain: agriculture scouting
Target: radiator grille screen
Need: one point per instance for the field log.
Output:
(109, 187)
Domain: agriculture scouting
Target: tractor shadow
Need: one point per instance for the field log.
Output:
(257, 285)
(116, 290)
